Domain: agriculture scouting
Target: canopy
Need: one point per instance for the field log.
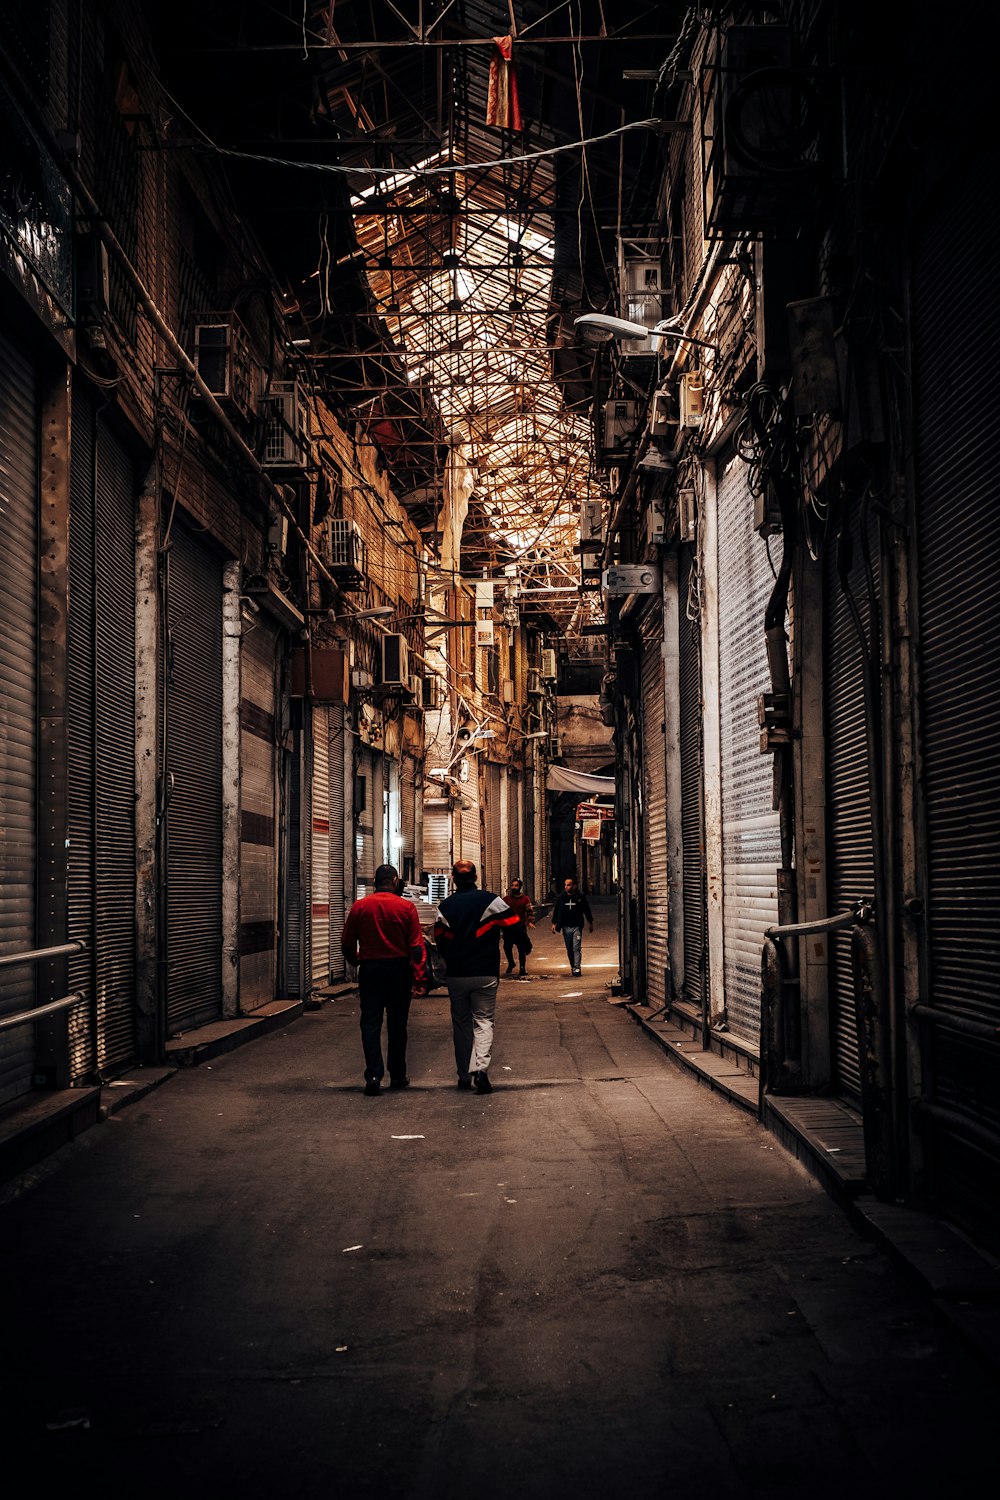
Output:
(561, 779)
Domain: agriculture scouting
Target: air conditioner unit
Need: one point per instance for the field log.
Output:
(550, 665)
(222, 359)
(430, 691)
(692, 398)
(620, 420)
(285, 414)
(535, 688)
(345, 553)
(395, 661)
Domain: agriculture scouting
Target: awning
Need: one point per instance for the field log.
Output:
(561, 779)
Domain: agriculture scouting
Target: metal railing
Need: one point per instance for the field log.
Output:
(35, 956)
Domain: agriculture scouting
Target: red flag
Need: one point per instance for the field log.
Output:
(503, 106)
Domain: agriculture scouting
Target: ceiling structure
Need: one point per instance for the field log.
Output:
(433, 260)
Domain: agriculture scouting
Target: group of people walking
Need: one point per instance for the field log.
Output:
(382, 937)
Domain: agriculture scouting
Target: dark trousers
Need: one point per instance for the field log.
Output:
(517, 937)
(386, 987)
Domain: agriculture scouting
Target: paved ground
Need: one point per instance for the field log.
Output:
(600, 1280)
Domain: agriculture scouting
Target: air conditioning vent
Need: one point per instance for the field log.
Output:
(395, 662)
(222, 359)
(550, 665)
(285, 414)
(345, 553)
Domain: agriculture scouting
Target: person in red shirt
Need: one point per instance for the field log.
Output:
(517, 937)
(382, 936)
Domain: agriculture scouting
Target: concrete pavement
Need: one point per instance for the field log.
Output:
(600, 1280)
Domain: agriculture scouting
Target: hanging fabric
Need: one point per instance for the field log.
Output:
(503, 107)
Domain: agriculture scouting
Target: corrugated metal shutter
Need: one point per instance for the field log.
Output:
(494, 828)
(954, 300)
(437, 838)
(850, 861)
(408, 818)
(471, 828)
(655, 885)
(751, 850)
(340, 880)
(81, 798)
(692, 790)
(514, 795)
(258, 817)
(294, 946)
(194, 763)
(320, 846)
(365, 826)
(18, 703)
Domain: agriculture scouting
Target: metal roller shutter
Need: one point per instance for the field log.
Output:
(692, 792)
(850, 861)
(654, 809)
(194, 766)
(320, 846)
(471, 830)
(954, 301)
(751, 848)
(340, 880)
(514, 827)
(80, 859)
(408, 818)
(437, 838)
(18, 703)
(258, 817)
(494, 829)
(365, 825)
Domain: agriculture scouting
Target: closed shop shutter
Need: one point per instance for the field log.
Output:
(258, 817)
(407, 863)
(18, 704)
(695, 943)
(494, 828)
(340, 880)
(101, 745)
(751, 850)
(955, 302)
(320, 846)
(471, 832)
(437, 838)
(654, 809)
(294, 946)
(514, 813)
(365, 825)
(194, 766)
(850, 860)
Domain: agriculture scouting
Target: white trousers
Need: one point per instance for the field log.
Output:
(473, 1007)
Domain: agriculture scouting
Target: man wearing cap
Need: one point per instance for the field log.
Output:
(382, 936)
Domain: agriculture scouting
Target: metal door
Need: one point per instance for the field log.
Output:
(258, 816)
(655, 887)
(320, 846)
(751, 850)
(695, 941)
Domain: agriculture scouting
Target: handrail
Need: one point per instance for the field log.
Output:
(38, 955)
(989, 1031)
(822, 924)
(24, 1016)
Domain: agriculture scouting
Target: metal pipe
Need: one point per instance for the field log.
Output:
(964, 1024)
(24, 1016)
(972, 1130)
(39, 955)
(821, 924)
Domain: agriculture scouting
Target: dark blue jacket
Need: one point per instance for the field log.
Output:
(467, 932)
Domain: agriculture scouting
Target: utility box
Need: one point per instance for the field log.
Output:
(327, 674)
(620, 420)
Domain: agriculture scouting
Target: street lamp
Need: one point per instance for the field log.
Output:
(381, 613)
(668, 328)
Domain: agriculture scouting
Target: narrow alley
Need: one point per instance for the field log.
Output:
(597, 1281)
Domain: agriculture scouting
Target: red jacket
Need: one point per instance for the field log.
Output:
(383, 925)
(521, 906)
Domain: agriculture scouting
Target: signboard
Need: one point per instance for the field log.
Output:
(587, 810)
(591, 829)
(632, 578)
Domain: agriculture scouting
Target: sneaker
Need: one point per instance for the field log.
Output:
(373, 1088)
(481, 1083)
(399, 1083)
(465, 1083)
(577, 973)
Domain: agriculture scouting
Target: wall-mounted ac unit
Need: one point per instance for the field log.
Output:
(535, 688)
(222, 359)
(550, 665)
(285, 414)
(692, 398)
(620, 419)
(345, 553)
(395, 662)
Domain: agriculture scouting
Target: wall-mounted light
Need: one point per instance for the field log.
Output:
(668, 328)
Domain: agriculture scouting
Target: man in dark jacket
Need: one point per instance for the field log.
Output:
(382, 936)
(517, 936)
(568, 916)
(467, 933)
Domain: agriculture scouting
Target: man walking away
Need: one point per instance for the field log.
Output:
(568, 916)
(517, 937)
(467, 934)
(382, 936)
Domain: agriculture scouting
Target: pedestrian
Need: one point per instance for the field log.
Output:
(568, 915)
(517, 937)
(382, 936)
(467, 933)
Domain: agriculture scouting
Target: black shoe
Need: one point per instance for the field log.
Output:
(373, 1088)
(523, 974)
(509, 969)
(576, 973)
(465, 1083)
(481, 1083)
(399, 1083)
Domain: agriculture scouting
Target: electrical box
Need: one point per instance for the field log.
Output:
(222, 359)
(550, 665)
(285, 415)
(555, 747)
(395, 661)
(93, 287)
(534, 683)
(277, 536)
(620, 420)
(656, 522)
(687, 514)
(591, 525)
(692, 394)
(663, 415)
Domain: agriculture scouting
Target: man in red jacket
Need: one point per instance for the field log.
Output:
(517, 937)
(382, 936)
